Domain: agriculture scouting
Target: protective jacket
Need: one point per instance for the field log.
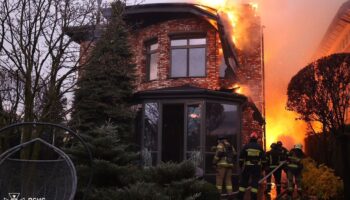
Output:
(224, 155)
(251, 157)
(273, 158)
(251, 154)
(294, 159)
(284, 153)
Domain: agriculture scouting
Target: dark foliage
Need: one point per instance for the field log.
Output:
(321, 92)
(106, 83)
(102, 113)
(170, 181)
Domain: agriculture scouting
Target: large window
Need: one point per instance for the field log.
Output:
(187, 129)
(150, 136)
(221, 119)
(188, 57)
(152, 60)
(193, 137)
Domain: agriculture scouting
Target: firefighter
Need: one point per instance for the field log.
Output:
(284, 154)
(250, 159)
(273, 158)
(223, 162)
(295, 166)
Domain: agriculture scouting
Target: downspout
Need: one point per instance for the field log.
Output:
(263, 81)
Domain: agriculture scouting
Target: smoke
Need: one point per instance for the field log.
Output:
(294, 29)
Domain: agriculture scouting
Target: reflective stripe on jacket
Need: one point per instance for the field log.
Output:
(252, 154)
(295, 157)
(221, 155)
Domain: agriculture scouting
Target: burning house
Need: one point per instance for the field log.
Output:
(193, 82)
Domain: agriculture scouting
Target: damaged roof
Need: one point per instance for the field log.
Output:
(147, 14)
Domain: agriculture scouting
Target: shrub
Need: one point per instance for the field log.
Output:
(170, 181)
(320, 181)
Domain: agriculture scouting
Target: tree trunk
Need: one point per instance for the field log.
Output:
(346, 166)
(324, 156)
(28, 116)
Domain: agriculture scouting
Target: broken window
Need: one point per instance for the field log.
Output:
(188, 57)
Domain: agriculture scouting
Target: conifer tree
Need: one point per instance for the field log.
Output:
(106, 83)
(102, 113)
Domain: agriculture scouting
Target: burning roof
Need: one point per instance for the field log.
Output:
(147, 14)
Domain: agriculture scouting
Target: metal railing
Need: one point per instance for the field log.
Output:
(260, 181)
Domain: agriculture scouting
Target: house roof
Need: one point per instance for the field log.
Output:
(191, 92)
(187, 91)
(153, 13)
(335, 29)
(146, 14)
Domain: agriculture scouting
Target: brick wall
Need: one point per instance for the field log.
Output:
(248, 75)
(162, 31)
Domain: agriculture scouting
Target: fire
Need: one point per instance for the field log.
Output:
(232, 9)
(254, 5)
(281, 124)
(240, 89)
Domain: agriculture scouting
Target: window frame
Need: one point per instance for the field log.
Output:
(203, 103)
(188, 47)
(149, 53)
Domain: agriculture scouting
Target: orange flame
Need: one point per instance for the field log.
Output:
(240, 89)
(232, 9)
(281, 124)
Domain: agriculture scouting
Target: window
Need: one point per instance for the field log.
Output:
(221, 119)
(150, 136)
(222, 63)
(152, 61)
(188, 57)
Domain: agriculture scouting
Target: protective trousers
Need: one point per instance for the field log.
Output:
(291, 175)
(277, 176)
(253, 172)
(223, 177)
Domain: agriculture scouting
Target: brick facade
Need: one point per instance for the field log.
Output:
(249, 73)
(161, 32)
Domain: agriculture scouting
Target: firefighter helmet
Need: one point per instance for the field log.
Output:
(279, 143)
(298, 146)
(273, 145)
(253, 135)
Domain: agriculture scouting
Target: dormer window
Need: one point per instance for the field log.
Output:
(188, 57)
(152, 60)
